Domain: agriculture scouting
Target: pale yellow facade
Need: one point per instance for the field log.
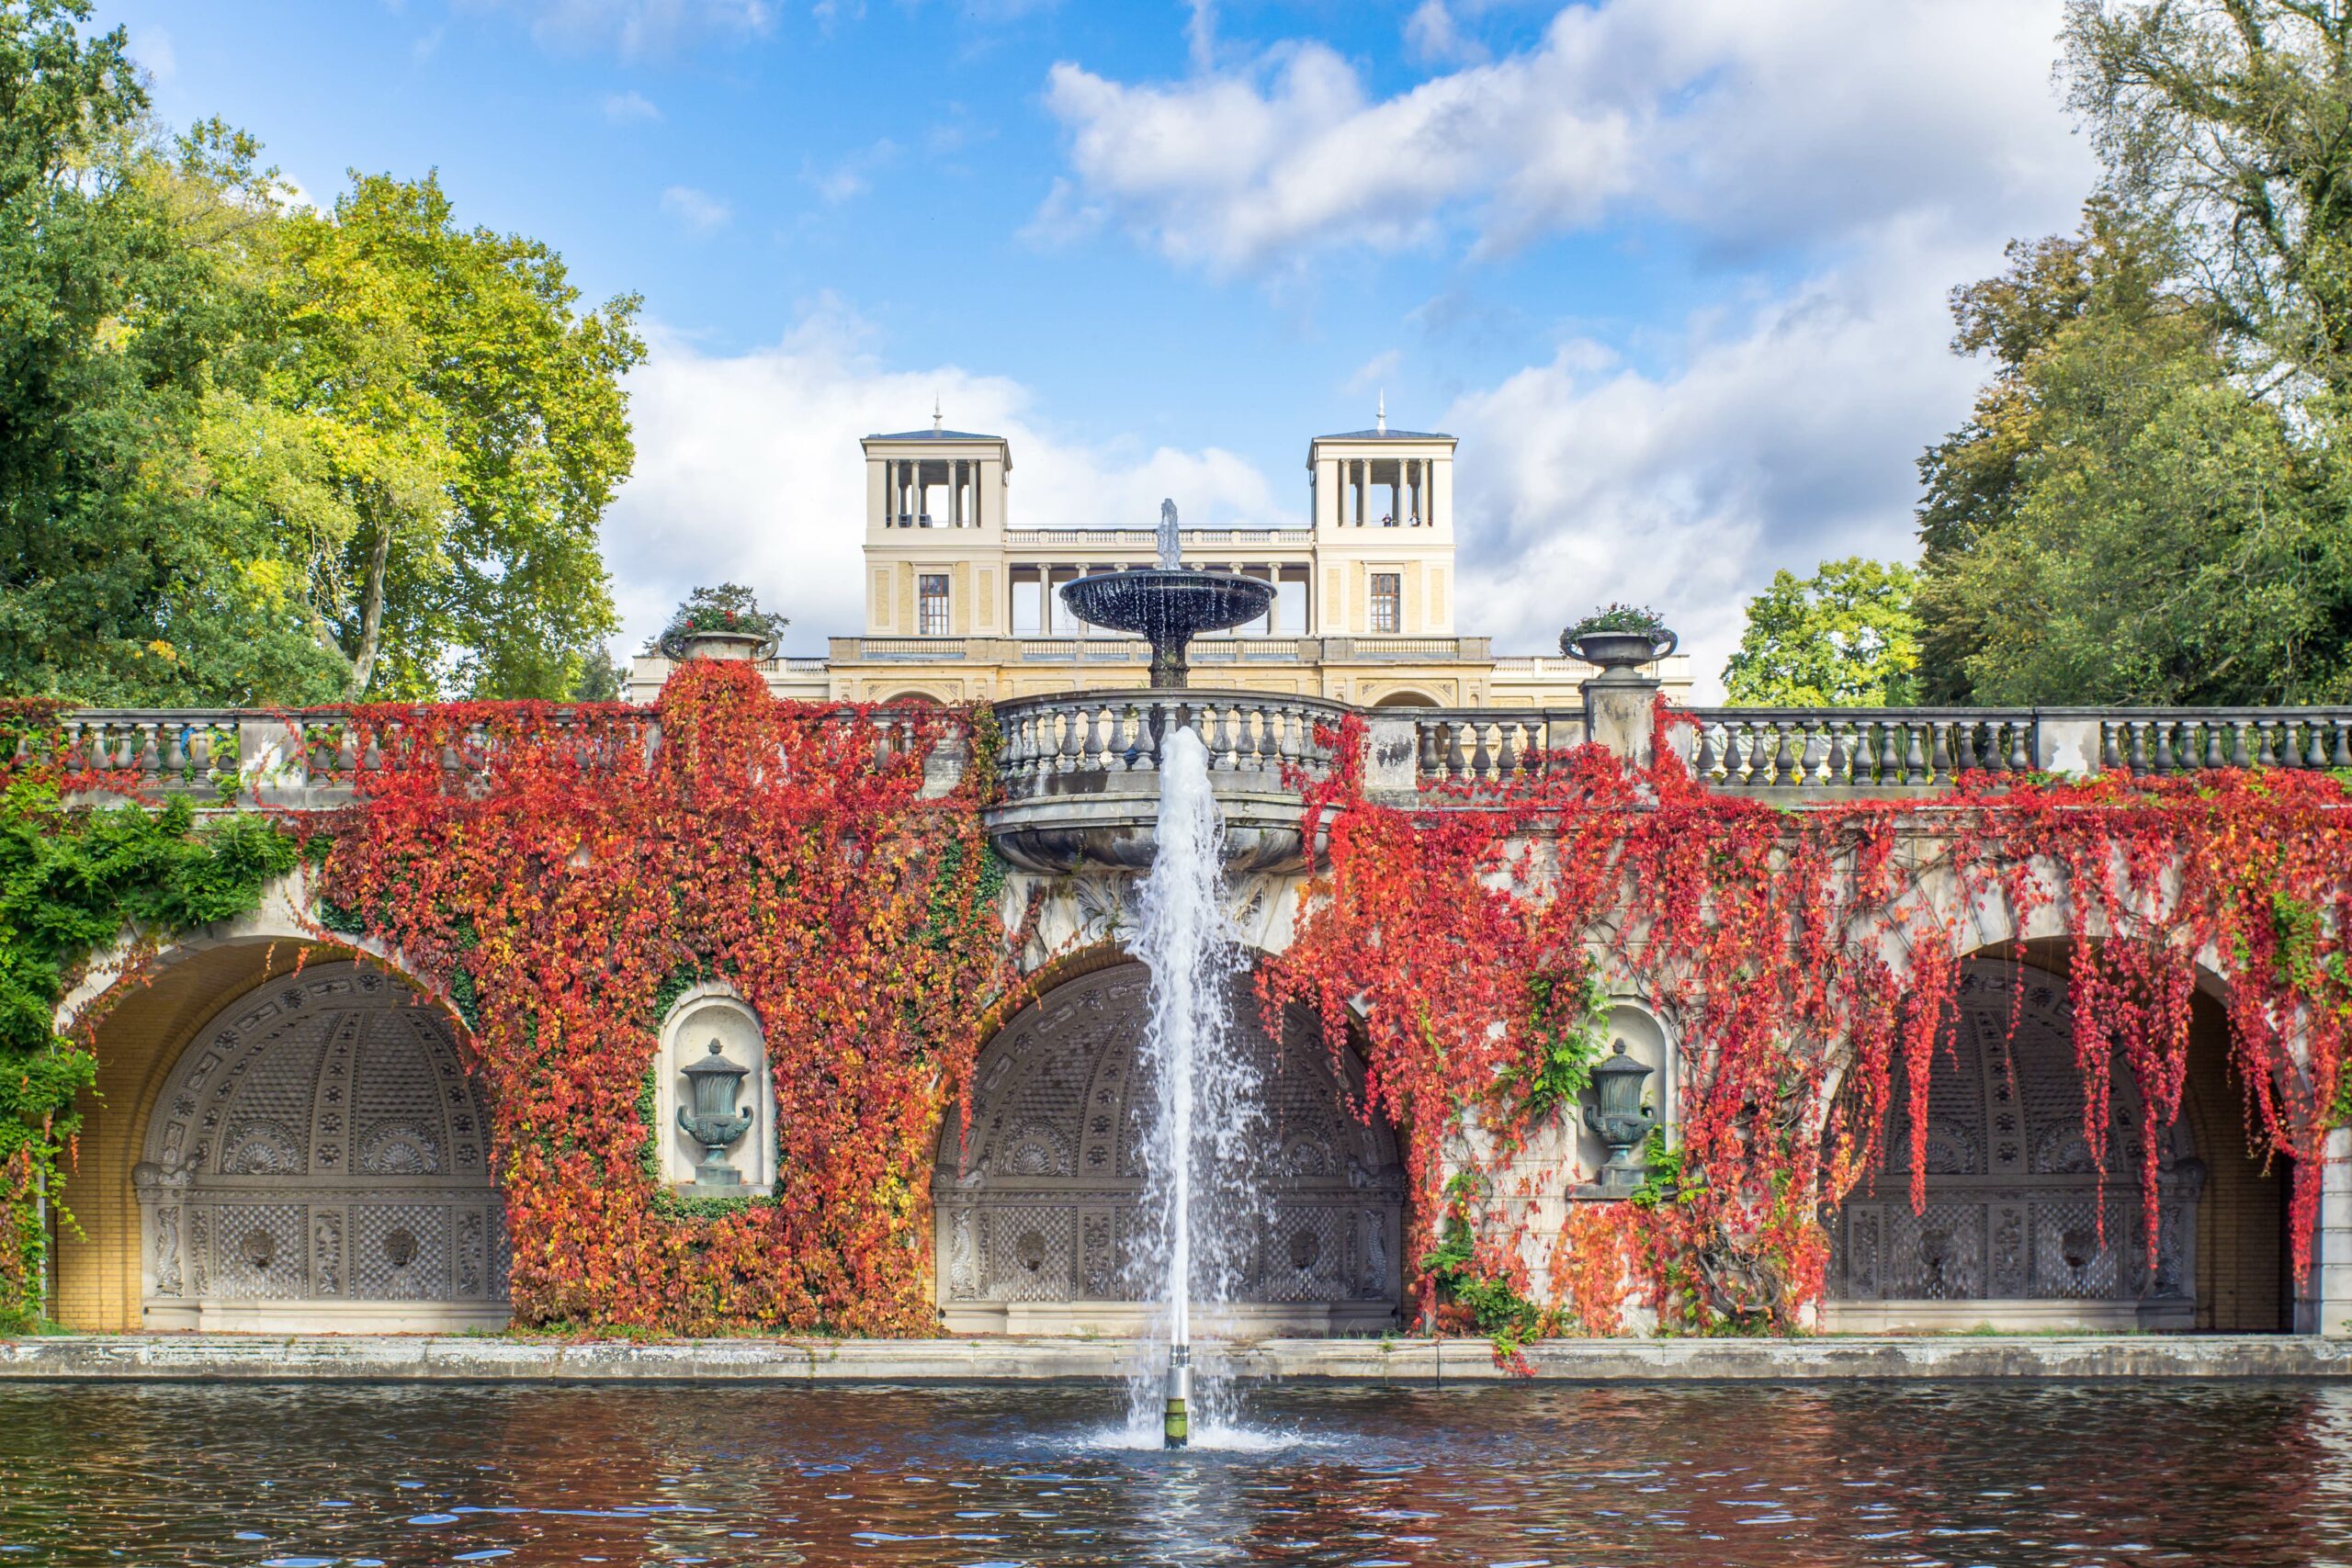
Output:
(961, 604)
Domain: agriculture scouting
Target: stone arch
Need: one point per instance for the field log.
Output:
(912, 697)
(1036, 1210)
(139, 1010)
(1408, 699)
(2019, 1228)
(318, 1158)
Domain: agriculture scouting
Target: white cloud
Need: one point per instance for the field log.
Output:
(630, 109)
(850, 177)
(748, 470)
(151, 48)
(1882, 148)
(639, 27)
(1432, 35)
(1750, 120)
(1374, 372)
(1782, 439)
(697, 209)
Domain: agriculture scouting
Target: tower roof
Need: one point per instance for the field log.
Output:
(931, 435)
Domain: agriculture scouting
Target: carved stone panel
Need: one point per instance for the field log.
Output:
(2017, 1208)
(320, 1143)
(1042, 1201)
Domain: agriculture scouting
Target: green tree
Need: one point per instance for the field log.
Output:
(118, 317)
(472, 429)
(2229, 122)
(2122, 520)
(1843, 638)
(258, 454)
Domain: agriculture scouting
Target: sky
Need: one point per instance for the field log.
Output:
(1676, 272)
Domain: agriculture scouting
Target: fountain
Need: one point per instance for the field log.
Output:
(1168, 605)
(1207, 1092)
(1209, 1099)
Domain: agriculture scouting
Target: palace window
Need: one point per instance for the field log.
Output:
(1387, 601)
(931, 604)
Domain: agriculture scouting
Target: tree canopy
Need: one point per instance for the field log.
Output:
(256, 452)
(1843, 638)
(2148, 502)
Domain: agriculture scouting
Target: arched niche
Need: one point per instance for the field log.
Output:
(1647, 1042)
(1038, 1210)
(319, 1160)
(2020, 1228)
(706, 1014)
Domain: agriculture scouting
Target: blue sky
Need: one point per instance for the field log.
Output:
(1673, 269)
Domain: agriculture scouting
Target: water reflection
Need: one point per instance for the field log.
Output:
(2246, 1474)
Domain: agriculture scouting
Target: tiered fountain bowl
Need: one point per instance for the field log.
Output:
(1168, 604)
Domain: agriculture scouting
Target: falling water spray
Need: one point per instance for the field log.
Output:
(1207, 1091)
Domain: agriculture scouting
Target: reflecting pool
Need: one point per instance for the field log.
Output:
(1984, 1473)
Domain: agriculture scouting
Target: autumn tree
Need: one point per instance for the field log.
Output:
(253, 452)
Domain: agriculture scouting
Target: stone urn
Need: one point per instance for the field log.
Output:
(1621, 1120)
(713, 643)
(1616, 652)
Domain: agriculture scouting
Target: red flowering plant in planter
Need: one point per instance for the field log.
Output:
(730, 612)
(1807, 962)
(578, 868)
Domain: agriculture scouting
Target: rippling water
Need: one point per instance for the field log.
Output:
(2243, 1474)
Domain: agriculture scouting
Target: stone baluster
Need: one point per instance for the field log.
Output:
(1454, 761)
(1865, 765)
(2316, 756)
(2137, 758)
(1838, 760)
(2162, 762)
(1507, 761)
(1482, 763)
(1705, 758)
(1735, 755)
(2341, 757)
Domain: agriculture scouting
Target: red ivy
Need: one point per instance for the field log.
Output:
(1798, 957)
(578, 864)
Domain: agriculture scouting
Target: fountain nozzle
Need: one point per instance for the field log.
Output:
(1176, 1425)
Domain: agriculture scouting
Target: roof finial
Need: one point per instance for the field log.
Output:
(1383, 411)
(935, 413)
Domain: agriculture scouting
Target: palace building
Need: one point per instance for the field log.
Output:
(961, 603)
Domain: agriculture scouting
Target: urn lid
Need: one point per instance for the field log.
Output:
(715, 1065)
(1617, 1064)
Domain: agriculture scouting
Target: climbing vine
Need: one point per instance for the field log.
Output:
(77, 874)
(1807, 962)
(577, 868)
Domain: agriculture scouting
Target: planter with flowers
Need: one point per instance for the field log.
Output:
(725, 622)
(1618, 637)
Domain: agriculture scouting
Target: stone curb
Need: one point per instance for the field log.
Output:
(76, 1358)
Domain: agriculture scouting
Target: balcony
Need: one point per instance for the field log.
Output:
(1082, 774)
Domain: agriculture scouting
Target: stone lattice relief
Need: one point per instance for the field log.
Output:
(1041, 1201)
(320, 1143)
(2017, 1208)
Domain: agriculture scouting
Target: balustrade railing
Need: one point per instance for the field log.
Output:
(1489, 745)
(1111, 742)
(1859, 748)
(1085, 743)
(2184, 740)
(309, 758)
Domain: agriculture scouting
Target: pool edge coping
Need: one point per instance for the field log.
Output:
(265, 1357)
